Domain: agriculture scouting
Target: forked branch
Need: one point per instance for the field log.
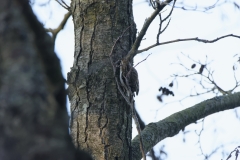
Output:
(63, 4)
(144, 29)
(60, 27)
(160, 30)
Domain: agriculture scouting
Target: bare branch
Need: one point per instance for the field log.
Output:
(160, 31)
(151, 2)
(204, 9)
(60, 27)
(200, 9)
(187, 39)
(171, 125)
(165, 26)
(142, 60)
(63, 4)
(209, 77)
(236, 150)
(143, 31)
(68, 7)
(160, 28)
(170, 13)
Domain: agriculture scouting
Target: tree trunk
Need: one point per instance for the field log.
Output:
(101, 122)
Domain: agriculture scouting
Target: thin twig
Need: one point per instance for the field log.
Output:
(170, 13)
(64, 5)
(160, 31)
(142, 60)
(165, 26)
(187, 39)
(144, 29)
(60, 27)
(185, 7)
(119, 39)
(151, 2)
(160, 28)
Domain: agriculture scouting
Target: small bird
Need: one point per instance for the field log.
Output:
(132, 77)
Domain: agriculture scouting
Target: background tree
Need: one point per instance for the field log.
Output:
(101, 117)
(33, 121)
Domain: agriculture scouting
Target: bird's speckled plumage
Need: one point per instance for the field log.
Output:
(132, 77)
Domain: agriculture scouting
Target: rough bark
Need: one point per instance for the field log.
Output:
(33, 117)
(101, 120)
